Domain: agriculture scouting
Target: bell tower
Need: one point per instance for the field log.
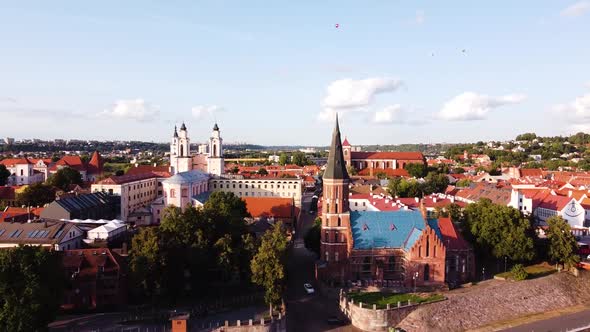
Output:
(215, 161)
(180, 151)
(336, 236)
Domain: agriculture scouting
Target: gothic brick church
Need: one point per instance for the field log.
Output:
(401, 247)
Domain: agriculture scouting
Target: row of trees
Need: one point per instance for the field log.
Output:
(500, 231)
(432, 183)
(194, 250)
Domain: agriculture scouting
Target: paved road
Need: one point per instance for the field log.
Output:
(308, 312)
(579, 321)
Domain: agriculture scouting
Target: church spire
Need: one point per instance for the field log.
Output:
(175, 132)
(336, 168)
(183, 127)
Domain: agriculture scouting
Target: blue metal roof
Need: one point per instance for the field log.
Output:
(202, 197)
(433, 223)
(386, 229)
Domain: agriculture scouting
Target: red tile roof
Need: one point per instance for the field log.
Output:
(71, 161)
(15, 161)
(554, 202)
(89, 261)
(388, 155)
(160, 171)
(95, 164)
(452, 239)
(533, 172)
(127, 178)
(270, 207)
(387, 171)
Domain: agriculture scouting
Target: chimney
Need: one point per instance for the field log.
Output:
(434, 199)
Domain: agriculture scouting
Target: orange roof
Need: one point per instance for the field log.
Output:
(270, 207)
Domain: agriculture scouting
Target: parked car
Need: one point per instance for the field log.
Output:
(308, 288)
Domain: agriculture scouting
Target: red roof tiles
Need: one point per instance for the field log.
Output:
(387, 155)
(270, 207)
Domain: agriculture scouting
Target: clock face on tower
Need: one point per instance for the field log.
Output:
(572, 211)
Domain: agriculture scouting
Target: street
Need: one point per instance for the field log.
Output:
(308, 312)
(579, 321)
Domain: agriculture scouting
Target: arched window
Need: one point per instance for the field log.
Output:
(172, 193)
(214, 150)
(327, 256)
(426, 272)
(181, 150)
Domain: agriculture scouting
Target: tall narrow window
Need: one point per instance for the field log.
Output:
(426, 272)
(339, 221)
(327, 256)
(181, 150)
(427, 246)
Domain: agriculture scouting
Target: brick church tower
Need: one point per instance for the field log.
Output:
(336, 236)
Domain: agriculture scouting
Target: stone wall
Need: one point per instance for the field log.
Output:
(369, 318)
(275, 325)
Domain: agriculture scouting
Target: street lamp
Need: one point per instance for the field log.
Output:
(415, 277)
(483, 273)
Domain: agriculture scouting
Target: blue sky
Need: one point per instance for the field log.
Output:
(276, 72)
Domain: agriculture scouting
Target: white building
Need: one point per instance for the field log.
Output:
(107, 232)
(22, 171)
(136, 191)
(215, 162)
(262, 187)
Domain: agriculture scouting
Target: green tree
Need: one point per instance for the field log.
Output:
(65, 177)
(313, 236)
(526, 137)
(417, 170)
(4, 174)
(563, 246)
(37, 194)
(401, 187)
(145, 263)
(300, 159)
(519, 273)
(500, 230)
(435, 183)
(463, 183)
(31, 288)
(268, 265)
(283, 159)
(352, 170)
(262, 171)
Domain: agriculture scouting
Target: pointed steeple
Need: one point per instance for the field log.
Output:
(336, 168)
(183, 127)
(216, 127)
(175, 132)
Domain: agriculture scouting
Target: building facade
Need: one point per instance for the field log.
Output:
(361, 160)
(260, 187)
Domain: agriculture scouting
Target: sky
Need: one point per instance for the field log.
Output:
(277, 72)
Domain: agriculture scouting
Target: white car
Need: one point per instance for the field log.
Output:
(308, 288)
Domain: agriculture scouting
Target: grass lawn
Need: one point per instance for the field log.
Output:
(382, 299)
(534, 271)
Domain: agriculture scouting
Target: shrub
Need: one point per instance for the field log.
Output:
(519, 273)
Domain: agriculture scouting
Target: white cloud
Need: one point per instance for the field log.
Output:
(201, 111)
(578, 109)
(7, 100)
(577, 9)
(389, 114)
(588, 84)
(136, 109)
(473, 106)
(420, 18)
(349, 93)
